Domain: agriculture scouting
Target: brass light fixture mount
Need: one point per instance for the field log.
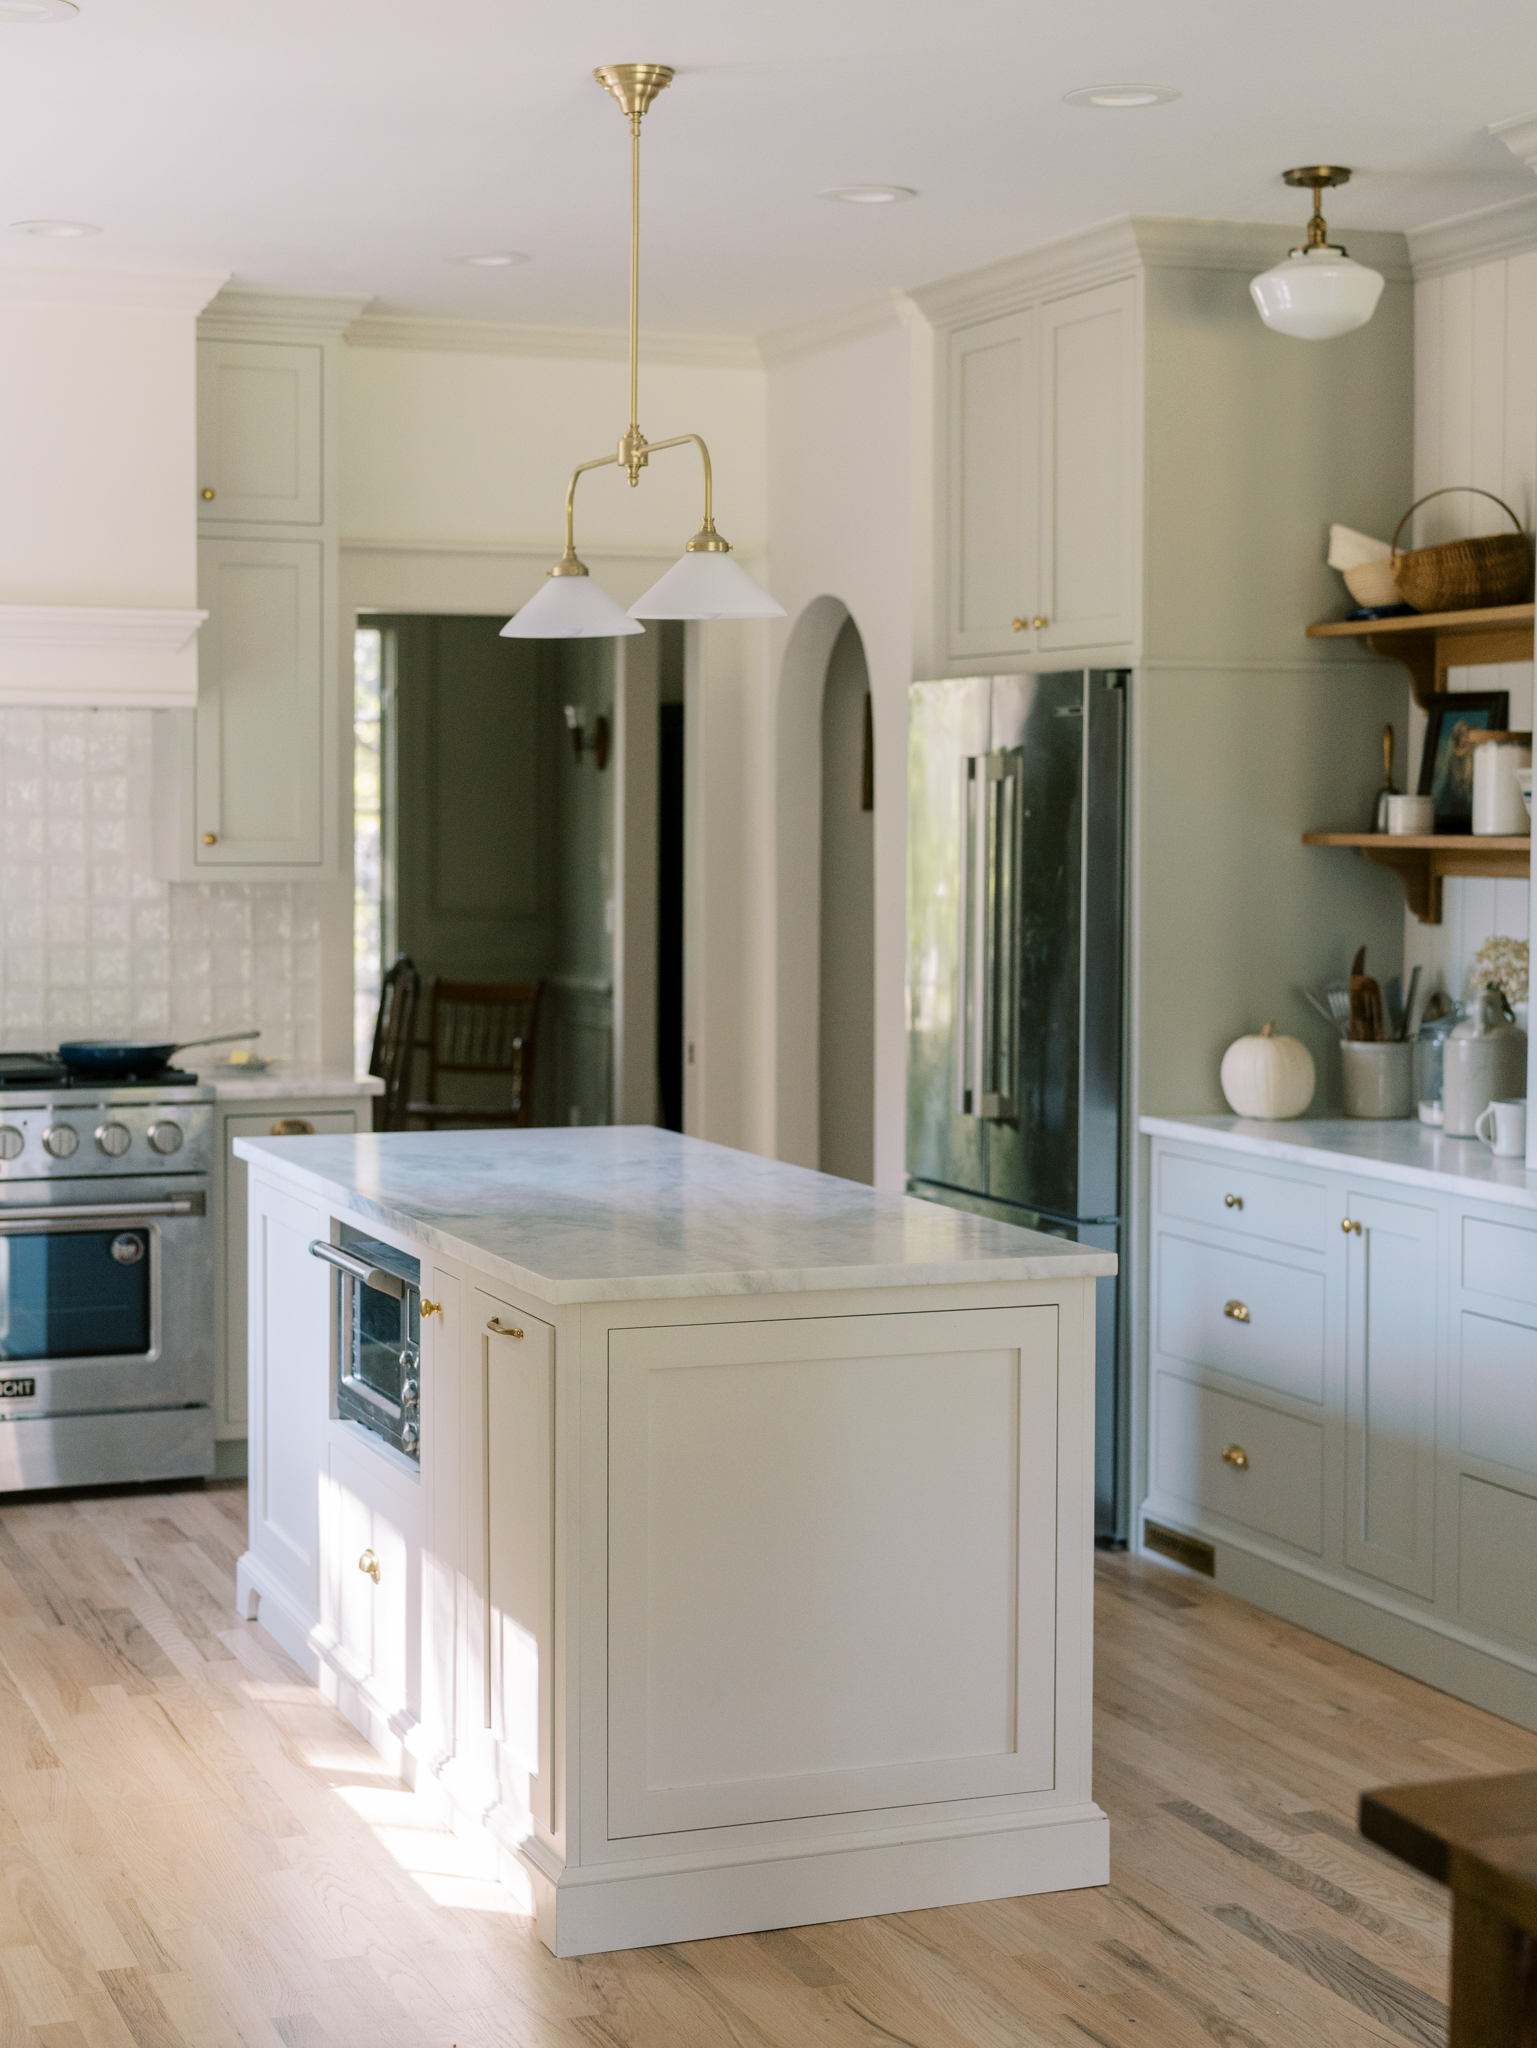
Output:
(635, 86)
(1317, 178)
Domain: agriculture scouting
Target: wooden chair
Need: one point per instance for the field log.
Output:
(479, 1031)
(395, 1042)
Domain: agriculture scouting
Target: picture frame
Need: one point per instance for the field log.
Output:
(1446, 766)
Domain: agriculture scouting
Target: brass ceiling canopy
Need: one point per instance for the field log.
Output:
(1317, 178)
(635, 86)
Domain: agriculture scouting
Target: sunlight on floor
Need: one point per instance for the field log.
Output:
(451, 1869)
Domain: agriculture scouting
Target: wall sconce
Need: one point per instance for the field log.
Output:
(594, 742)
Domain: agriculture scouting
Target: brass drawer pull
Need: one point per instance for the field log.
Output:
(293, 1127)
(1238, 1310)
(431, 1308)
(501, 1329)
(368, 1564)
(1232, 1201)
(1237, 1456)
(1350, 1224)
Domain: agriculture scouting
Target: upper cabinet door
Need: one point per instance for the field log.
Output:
(259, 714)
(1088, 470)
(991, 538)
(258, 432)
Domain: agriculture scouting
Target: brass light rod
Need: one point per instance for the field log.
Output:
(635, 86)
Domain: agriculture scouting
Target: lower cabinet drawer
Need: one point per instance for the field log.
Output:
(1258, 1319)
(1497, 1363)
(1241, 1460)
(372, 1596)
(1237, 1195)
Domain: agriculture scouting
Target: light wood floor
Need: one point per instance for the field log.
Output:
(196, 1850)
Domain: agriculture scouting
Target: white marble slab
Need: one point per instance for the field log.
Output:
(1411, 1153)
(281, 1083)
(630, 1212)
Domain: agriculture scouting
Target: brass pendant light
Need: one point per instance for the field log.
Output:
(705, 583)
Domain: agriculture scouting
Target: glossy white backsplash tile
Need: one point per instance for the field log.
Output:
(91, 942)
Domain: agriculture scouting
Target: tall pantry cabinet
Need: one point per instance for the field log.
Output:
(1129, 470)
(246, 785)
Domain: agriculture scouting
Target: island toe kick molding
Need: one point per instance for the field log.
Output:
(716, 1612)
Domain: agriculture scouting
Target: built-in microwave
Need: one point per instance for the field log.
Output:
(378, 1336)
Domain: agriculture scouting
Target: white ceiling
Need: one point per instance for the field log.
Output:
(354, 145)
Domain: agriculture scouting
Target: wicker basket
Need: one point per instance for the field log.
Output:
(1464, 575)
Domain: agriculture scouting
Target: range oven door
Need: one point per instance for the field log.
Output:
(106, 1295)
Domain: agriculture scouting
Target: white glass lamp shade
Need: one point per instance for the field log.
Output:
(706, 586)
(1316, 294)
(570, 608)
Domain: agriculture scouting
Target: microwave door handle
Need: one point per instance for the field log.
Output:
(377, 1277)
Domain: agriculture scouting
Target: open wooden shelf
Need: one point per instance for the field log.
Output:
(1420, 860)
(1429, 643)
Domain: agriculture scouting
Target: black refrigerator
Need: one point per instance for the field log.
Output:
(1015, 915)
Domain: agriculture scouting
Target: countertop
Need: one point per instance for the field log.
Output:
(284, 1083)
(1409, 1152)
(630, 1212)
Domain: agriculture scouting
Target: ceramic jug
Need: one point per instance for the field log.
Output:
(1484, 1059)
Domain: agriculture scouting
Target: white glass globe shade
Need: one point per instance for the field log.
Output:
(1316, 294)
(706, 586)
(570, 608)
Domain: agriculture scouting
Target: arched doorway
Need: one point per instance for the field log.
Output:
(846, 978)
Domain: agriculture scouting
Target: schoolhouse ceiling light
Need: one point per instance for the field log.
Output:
(704, 584)
(1318, 292)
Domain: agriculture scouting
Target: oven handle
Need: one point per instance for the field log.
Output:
(378, 1277)
(99, 1212)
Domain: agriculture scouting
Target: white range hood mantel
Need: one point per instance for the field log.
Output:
(98, 657)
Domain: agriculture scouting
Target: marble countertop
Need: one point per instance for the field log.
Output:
(283, 1083)
(629, 1213)
(1408, 1152)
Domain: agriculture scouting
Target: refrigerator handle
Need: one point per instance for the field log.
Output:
(999, 977)
(969, 949)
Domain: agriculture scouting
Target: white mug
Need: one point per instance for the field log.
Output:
(1508, 1137)
(1411, 814)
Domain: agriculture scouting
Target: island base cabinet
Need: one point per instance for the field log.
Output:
(370, 1605)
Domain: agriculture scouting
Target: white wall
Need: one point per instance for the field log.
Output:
(1475, 423)
(847, 448)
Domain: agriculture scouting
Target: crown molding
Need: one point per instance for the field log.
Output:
(240, 308)
(835, 330)
(583, 344)
(98, 656)
(1509, 229)
(156, 291)
(1119, 248)
(1519, 136)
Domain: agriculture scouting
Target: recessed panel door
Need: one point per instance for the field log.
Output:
(1390, 1364)
(991, 540)
(259, 432)
(1088, 470)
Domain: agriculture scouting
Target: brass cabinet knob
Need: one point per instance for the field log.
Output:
(1021, 625)
(431, 1308)
(368, 1564)
(1349, 1225)
(501, 1329)
(1237, 1310)
(1038, 622)
(1232, 1201)
(293, 1127)
(210, 838)
(208, 494)
(1237, 1456)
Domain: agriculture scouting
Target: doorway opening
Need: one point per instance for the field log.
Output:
(669, 878)
(846, 1003)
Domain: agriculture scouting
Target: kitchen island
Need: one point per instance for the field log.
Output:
(745, 1576)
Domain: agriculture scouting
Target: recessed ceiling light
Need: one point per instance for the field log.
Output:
(54, 230)
(38, 10)
(869, 195)
(1121, 95)
(492, 259)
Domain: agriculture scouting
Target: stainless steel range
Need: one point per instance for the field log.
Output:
(106, 1278)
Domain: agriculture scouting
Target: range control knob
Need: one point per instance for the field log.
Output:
(166, 1137)
(113, 1139)
(411, 1396)
(11, 1142)
(410, 1436)
(61, 1140)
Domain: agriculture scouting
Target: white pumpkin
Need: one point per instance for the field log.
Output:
(1269, 1077)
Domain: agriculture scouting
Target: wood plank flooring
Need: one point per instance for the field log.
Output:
(196, 1852)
